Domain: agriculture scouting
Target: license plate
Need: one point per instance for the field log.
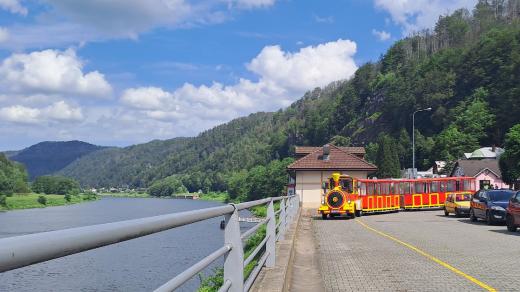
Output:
(334, 211)
(498, 216)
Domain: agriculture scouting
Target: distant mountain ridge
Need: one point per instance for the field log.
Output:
(49, 157)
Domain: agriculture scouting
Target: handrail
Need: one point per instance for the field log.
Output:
(193, 270)
(252, 230)
(24, 250)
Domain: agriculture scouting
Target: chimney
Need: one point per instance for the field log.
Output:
(326, 151)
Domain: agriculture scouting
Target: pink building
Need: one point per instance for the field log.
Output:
(485, 171)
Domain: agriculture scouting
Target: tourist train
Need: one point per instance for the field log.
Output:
(345, 195)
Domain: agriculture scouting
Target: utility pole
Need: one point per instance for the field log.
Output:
(413, 137)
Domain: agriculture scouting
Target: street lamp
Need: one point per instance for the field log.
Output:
(413, 137)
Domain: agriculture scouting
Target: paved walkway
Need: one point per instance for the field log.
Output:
(305, 274)
(408, 251)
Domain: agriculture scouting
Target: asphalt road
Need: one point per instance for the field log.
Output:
(416, 251)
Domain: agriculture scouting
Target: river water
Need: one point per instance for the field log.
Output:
(142, 264)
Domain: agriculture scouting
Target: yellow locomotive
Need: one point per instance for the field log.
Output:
(340, 197)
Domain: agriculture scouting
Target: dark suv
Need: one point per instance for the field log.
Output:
(490, 205)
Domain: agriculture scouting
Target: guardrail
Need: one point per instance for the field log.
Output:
(25, 250)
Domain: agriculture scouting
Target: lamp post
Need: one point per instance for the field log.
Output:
(413, 137)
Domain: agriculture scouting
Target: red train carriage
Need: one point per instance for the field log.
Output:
(390, 194)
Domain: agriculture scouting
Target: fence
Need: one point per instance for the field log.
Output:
(21, 251)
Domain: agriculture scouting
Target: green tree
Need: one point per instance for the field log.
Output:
(387, 159)
(510, 160)
(58, 185)
(167, 187)
(13, 177)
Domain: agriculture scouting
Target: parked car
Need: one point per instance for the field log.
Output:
(490, 205)
(513, 213)
(457, 204)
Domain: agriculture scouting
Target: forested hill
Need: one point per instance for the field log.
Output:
(49, 157)
(467, 69)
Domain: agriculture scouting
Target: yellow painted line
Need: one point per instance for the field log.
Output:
(430, 257)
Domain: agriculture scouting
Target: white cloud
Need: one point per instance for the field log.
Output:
(52, 72)
(59, 111)
(308, 68)
(248, 4)
(13, 6)
(4, 34)
(414, 15)
(282, 78)
(71, 22)
(328, 19)
(381, 35)
(146, 97)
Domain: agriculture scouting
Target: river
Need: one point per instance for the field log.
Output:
(141, 264)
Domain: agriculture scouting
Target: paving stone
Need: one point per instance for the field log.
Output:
(353, 258)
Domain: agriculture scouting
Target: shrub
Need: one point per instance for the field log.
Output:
(42, 200)
(68, 197)
(3, 200)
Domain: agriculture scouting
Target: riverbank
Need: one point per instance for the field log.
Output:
(215, 197)
(30, 201)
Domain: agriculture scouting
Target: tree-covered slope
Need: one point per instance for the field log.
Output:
(467, 69)
(49, 157)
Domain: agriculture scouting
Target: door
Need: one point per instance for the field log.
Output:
(476, 204)
(449, 203)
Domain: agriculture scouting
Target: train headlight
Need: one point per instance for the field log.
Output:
(323, 200)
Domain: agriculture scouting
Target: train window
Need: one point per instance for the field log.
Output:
(443, 186)
(434, 188)
(362, 189)
(346, 185)
(370, 188)
(457, 185)
(385, 188)
(419, 188)
(406, 189)
(451, 186)
(467, 185)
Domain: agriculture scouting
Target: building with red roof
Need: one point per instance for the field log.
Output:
(315, 164)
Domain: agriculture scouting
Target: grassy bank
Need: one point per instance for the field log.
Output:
(28, 201)
(219, 197)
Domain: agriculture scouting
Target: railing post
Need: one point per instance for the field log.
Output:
(234, 260)
(270, 246)
(281, 230)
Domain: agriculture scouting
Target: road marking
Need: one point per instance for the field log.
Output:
(430, 257)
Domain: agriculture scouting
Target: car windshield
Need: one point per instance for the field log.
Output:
(463, 197)
(500, 195)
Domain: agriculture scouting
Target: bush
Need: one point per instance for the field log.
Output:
(90, 196)
(68, 197)
(58, 185)
(42, 200)
(3, 200)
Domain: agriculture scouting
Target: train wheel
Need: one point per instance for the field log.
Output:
(358, 213)
(323, 216)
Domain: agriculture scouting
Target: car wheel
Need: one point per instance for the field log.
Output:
(446, 213)
(489, 220)
(457, 213)
(472, 216)
(358, 213)
(323, 216)
(510, 224)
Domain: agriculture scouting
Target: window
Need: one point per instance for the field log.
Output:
(443, 187)
(485, 184)
(346, 185)
(370, 190)
(467, 185)
(516, 198)
(419, 187)
(463, 197)
(451, 186)
(362, 189)
(434, 188)
(406, 189)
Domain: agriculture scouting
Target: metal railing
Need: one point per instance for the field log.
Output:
(25, 250)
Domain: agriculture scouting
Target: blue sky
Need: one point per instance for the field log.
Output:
(121, 72)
